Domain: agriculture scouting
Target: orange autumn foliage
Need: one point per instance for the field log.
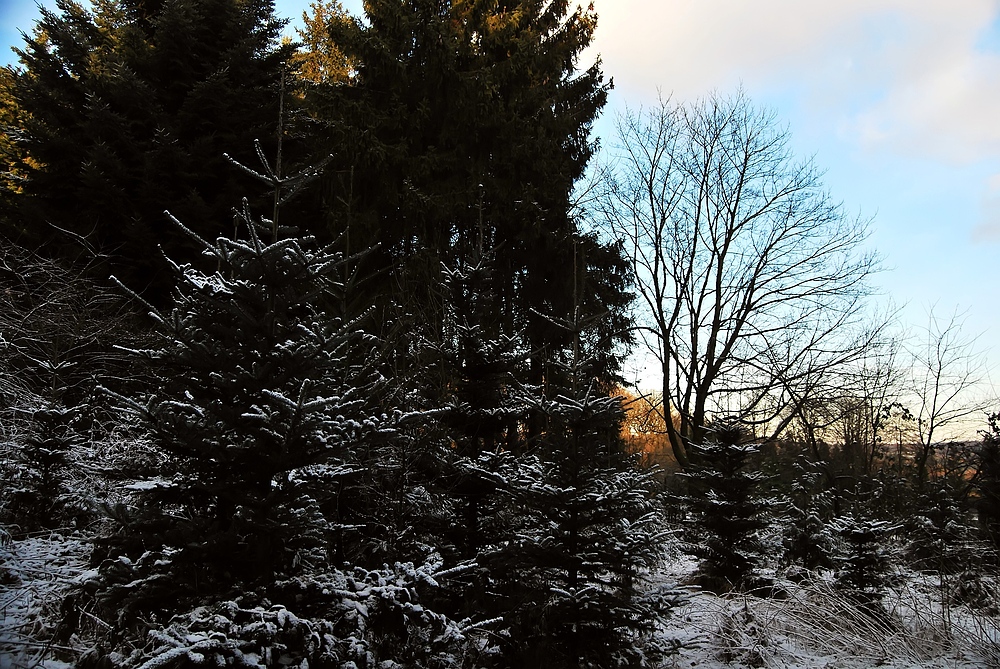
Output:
(645, 431)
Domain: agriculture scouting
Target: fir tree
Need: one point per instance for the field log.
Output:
(462, 379)
(124, 110)
(468, 376)
(939, 532)
(465, 127)
(728, 507)
(559, 526)
(808, 541)
(59, 331)
(863, 569)
(988, 482)
(263, 397)
(586, 526)
(274, 448)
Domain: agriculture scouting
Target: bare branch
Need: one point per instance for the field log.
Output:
(753, 280)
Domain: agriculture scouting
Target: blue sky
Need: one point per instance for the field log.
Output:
(898, 100)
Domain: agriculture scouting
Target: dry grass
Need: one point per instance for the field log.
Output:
(822, 619)
(815, 625)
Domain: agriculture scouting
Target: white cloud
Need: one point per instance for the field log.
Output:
(908, 76)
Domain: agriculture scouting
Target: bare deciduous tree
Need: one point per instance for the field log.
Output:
(753, 281)
(869, 394)
(947, 374)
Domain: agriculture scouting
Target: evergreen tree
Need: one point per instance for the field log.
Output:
(468, 378)
(39, 494)
(263, 397)
(59, 332)
(988, 482)
(808, 541)
(939, 531)
(558, 526)
(864, 567)
(274, 451)
(465, 127)
(586, 526)
(11, 156)
(318, 60)
(728, 506)
(124, 110)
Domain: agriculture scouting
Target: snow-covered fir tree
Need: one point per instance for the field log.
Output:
(553, 521)
(728, 506)
(467, 379)
(466, 384)
(863, 568)
(587, 528)
(263, 397)
(57, 330)
(940, 532)
(268, 419)
(808, 541)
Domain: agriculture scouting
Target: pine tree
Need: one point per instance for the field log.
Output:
(125, 110)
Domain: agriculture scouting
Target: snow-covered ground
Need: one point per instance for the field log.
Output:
(811, 627)
(35, 574)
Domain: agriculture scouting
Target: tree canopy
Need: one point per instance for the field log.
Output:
(459, 133)
(126, 109)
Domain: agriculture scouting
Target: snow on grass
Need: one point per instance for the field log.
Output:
(807, 625)
(811, 625)
(34, 575)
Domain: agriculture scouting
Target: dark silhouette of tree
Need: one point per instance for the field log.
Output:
(725, 495)
(752, 279)
(988, 481)
(461, 132)
(124, 110)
